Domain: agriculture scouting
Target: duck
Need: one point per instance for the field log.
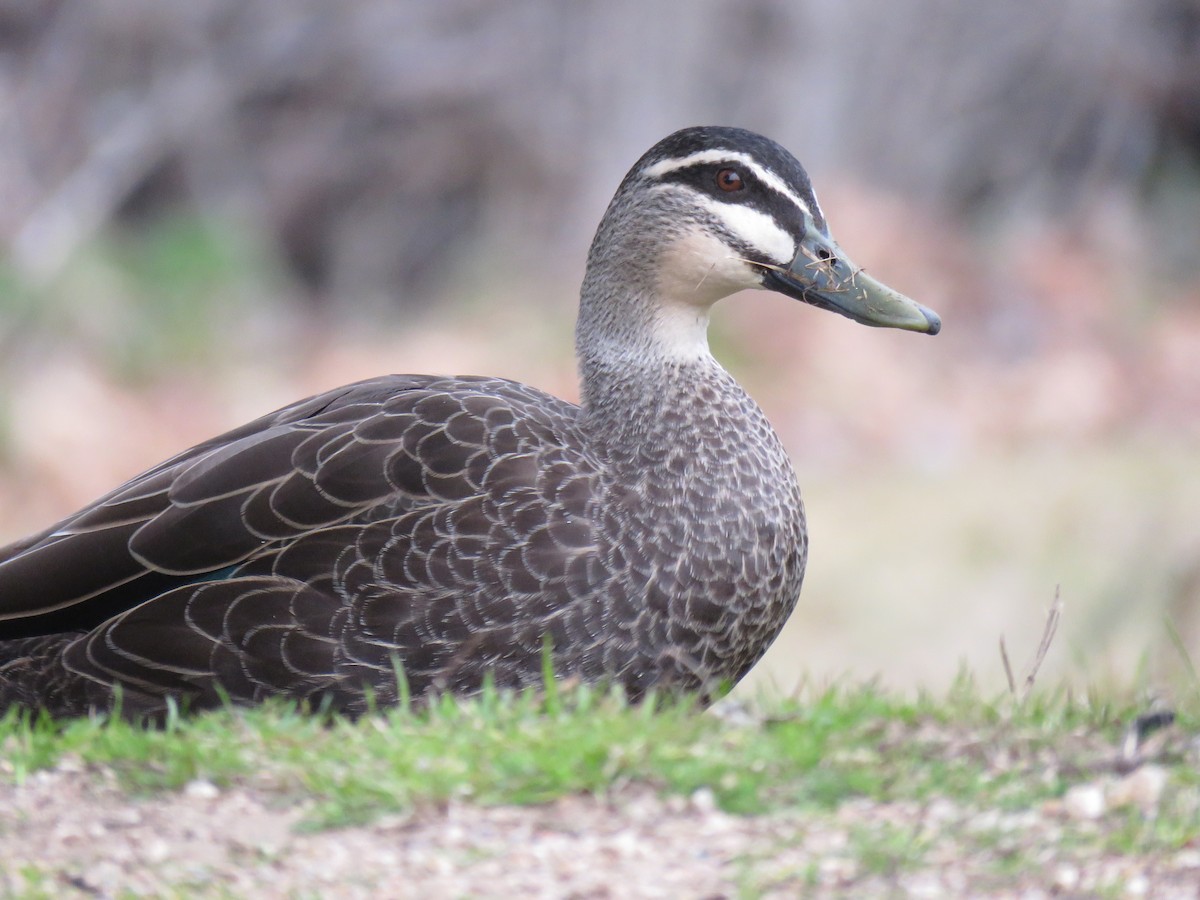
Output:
(411, 536)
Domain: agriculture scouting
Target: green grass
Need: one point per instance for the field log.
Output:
(855, 760)
(840, 743)
(886, 849)
(496, 749)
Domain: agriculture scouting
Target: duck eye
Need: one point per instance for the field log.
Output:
(730, 180)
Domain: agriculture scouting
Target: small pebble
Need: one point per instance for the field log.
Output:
(200, 789)
(157, 850)
(703, 800)
(924, 886)
(1142, 788)
(1187, 859)
(1066, 877)
(1085, 801)
(941, 810)
(1137, 886)
(123, 818)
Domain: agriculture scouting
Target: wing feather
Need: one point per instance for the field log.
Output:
(369, 451)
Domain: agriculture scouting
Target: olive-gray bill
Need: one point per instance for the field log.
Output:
(821, 274)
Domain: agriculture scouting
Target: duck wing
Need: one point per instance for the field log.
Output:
(434, 523)
(363, 452)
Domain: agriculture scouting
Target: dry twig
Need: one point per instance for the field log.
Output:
(1048, 632)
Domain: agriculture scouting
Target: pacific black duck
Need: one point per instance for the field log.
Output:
(651, 537)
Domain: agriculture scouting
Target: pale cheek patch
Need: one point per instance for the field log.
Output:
(699, 269)
(752, 226)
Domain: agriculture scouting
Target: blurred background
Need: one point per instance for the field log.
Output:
(214, 208)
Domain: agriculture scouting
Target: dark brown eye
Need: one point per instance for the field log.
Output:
(730, 180)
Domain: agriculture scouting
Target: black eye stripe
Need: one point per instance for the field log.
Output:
(701, 178)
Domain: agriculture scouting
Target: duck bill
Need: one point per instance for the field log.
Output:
(822, 275)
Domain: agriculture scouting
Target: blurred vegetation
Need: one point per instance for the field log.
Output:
(142, 303)
(369, 146)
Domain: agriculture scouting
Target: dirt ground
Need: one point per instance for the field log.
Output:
(71, 832)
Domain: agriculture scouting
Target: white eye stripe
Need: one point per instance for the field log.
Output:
(754, 227)
(766, 176)
(750, 225)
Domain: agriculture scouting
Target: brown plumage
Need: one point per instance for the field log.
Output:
(455, 528)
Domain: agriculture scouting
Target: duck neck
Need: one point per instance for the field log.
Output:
(651, 390)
